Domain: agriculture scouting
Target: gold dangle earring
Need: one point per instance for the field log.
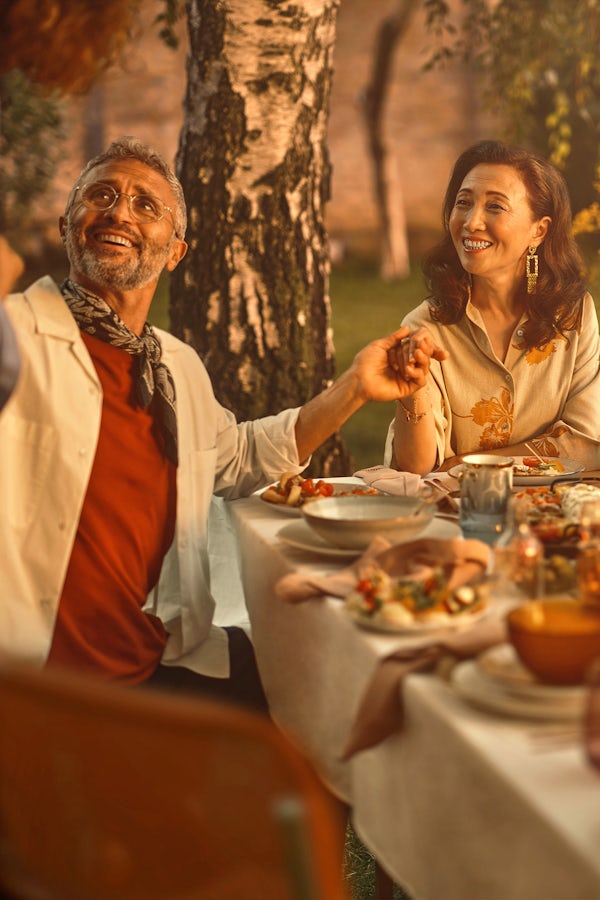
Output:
(531, 269)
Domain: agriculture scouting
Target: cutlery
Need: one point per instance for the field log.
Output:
(534, 452)
(445, 491)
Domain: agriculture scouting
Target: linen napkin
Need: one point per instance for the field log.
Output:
(390, 480)
(380, 711)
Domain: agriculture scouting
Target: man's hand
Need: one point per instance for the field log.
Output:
(11, 266)
(396, 366)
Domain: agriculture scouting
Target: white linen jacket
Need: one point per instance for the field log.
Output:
(48, 436)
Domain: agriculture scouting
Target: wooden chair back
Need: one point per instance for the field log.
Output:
(112, 793)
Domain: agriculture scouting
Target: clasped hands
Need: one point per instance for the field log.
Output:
(397, 366)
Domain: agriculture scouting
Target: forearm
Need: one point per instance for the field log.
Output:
(326, 413)
(415, 444)
(587, 451)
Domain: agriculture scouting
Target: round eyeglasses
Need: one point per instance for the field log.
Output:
(143, 207)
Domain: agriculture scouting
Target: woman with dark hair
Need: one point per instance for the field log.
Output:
(509, 304)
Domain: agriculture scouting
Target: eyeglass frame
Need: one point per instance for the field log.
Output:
(130, 199)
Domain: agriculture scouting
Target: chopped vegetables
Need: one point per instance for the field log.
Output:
(420, 597)
(294, 490)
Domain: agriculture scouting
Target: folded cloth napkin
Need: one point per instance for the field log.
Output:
(380, 710)
(390, 480)
(461, 560)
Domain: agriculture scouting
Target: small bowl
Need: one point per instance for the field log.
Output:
(555, 639)
(352, 522)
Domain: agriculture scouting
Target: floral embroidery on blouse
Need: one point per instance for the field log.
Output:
(540, 354)
(495, 415)
(544, 443)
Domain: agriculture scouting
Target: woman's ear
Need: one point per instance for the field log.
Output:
(541, 229)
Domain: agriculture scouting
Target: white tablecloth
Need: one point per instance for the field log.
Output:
(457, 806)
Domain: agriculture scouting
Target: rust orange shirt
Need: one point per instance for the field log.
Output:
(126, 526)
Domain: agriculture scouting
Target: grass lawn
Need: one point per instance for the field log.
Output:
(363, 308)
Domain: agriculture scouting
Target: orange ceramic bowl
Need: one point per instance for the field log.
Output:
(555, 639)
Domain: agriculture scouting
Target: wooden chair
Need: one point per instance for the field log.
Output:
(111, 793)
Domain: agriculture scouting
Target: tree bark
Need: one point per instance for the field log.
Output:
(395, 261)
(252, 294)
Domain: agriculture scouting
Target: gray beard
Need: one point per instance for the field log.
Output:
(124, 274)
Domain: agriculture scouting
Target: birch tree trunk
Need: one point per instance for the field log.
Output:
(252, 294)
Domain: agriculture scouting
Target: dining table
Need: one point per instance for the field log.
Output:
(454, 799)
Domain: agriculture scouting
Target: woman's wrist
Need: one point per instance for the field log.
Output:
(415, 407)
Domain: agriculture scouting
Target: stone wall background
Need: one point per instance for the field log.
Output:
(431, 117)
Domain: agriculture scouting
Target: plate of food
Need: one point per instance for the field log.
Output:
(552, 513)
(531, 470)
(417, 602)
(292, 491)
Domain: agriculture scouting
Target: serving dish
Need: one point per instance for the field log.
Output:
(440, 623)
(301, 537)
(352, 522)
(557, 639)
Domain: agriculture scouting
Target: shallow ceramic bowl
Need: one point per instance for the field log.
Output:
(555, 639)
(353, 522)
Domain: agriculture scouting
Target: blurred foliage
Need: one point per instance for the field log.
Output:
(167, 21)
(31, 137)
(539, 70)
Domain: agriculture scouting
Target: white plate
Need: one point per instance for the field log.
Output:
(482, 692)
(501, 665)
(454, 622)
(302, 537)
(340, 486)
(571, 468)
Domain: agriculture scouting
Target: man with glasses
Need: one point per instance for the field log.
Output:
(113, 444)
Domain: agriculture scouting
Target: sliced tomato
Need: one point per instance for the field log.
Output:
(532, 462)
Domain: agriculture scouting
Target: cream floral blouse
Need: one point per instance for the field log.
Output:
(480, 403)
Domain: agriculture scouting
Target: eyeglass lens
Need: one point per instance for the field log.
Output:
(143, 207)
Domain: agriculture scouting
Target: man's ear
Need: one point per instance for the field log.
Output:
(62, 227)
(177, 251)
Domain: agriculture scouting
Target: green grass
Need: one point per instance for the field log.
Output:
(364, 308)
(359, 871)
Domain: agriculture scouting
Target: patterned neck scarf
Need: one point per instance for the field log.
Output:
(153, 378)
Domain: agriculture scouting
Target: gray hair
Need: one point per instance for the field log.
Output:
(133, 148)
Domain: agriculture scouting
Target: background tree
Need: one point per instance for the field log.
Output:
(395, 261)
(48, 48)
(252, 294)
(539, 68)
